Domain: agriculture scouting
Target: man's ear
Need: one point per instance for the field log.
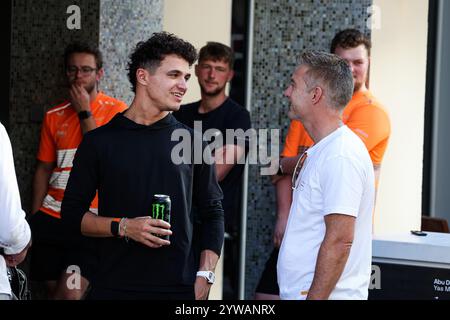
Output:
(196, 70)
(230, 75)
(142, 76)
(100, 74)
(317, 94)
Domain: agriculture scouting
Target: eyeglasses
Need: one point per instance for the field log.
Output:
(71, 70)
(298, 168)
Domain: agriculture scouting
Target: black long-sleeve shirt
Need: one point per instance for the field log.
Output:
(128, 163)
(229, 115)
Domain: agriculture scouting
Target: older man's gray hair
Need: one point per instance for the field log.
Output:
(330, 72)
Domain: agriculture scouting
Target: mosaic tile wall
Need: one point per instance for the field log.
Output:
(39, 36)
(123, 23)
(282, 29)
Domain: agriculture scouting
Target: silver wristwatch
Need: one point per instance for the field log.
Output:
(208, 275)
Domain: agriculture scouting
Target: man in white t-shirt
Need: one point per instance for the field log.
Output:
(327, 248)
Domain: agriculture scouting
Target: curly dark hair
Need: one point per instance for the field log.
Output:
(150, 53)
(217, 52)
(350, 38)
(81, 47)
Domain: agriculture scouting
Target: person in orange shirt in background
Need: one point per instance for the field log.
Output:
(364, 115)
(62, 131)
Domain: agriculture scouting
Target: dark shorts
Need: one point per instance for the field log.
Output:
(268, 283)
(54, 250)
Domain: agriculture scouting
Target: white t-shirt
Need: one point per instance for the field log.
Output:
(14, 230)
(337, 177)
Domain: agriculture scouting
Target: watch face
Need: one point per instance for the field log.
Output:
(208, 275)
(84, 114)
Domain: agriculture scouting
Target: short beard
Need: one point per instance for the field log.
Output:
(212, 93)
(90, 88)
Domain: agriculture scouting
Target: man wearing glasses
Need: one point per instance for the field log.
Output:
(326, 250)
(62, 131)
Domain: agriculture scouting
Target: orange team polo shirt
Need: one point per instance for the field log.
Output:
(364, 115)
(60, 136)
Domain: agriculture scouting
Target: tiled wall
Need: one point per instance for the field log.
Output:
(282, 29)
(122, 25)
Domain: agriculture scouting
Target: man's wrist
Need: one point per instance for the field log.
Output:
(84, 114)
(115, 227)
(208, 275)
(280, 171)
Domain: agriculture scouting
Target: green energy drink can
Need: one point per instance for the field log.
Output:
(161, 209)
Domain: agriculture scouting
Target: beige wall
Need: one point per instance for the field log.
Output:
(198, 21)
(398, 80)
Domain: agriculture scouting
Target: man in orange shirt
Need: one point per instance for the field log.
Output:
(364, 115)
(62, 131)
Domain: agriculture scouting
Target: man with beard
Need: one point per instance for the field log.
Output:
(364, 115)
(216, 111)
(62, 131)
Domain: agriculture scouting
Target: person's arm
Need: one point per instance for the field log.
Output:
(207, 196)
(46, 162)
(208, 262)
(40, 184)
(233, 153)
(291, 154)
(283, 186)
(333, 255)
(284, 200)
(226, 158)
(140, 229)
(343, 182)
(80, 101)
(13, 260)
(80, 191)
(288, 164)
(15, 234)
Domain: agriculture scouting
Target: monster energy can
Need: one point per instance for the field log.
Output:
(161, 209)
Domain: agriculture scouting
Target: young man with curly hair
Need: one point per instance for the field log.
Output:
(129, 161)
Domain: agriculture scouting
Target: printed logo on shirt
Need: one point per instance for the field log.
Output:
(61, 133)
(361, 133)
(157, 210)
